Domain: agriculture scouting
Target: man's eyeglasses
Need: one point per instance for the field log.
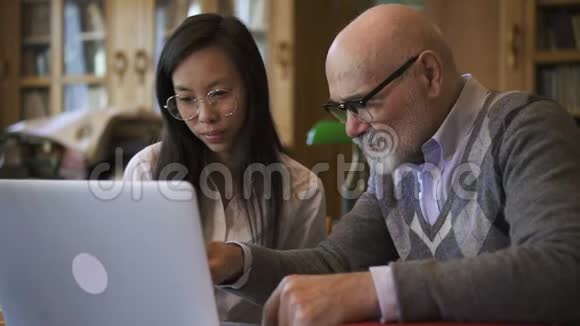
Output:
(357, 106)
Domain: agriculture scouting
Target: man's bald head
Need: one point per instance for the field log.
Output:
(382, 38)
(374, 46)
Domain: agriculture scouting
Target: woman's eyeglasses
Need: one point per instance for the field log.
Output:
(187, 107)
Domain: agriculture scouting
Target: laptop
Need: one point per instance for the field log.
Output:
(97, 253)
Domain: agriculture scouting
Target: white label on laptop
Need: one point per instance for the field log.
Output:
(90, 274)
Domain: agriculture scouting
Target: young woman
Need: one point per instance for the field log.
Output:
(212, 86)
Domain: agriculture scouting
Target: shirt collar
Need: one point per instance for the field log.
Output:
(457, 124)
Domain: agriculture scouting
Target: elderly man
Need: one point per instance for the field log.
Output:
(471, 213)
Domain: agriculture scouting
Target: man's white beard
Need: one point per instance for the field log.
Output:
(383, 150)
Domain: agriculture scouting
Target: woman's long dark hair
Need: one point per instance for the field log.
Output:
(179, 145)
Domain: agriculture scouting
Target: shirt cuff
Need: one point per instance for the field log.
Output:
(386, 293)
(248, 258)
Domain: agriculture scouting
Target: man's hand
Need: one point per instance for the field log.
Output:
(226, 262)
(325, 300)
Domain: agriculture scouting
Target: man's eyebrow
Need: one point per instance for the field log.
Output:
(351, 98)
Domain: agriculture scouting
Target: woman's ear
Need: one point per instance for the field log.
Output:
(431, 73)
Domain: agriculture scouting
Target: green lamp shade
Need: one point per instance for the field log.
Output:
(328, 132)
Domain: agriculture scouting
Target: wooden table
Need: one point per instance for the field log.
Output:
(399, 324)
(443, 324)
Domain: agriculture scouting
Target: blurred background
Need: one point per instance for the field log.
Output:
(76, 76)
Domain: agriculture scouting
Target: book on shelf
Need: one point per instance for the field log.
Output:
(561, 83)
(42, 62)
(95, 22)
(94, 58)
(100, 62)
(27, 62)
(252, 13)
(35, 61)
(559, 29)
(576, 26)
(37, 20)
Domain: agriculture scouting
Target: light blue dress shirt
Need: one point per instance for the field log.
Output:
(442, 154)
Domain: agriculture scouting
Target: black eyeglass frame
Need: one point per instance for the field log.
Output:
(359, 103)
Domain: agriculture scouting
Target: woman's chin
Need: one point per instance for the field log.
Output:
(220, 149)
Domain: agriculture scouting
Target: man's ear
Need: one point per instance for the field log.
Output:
(431, 72)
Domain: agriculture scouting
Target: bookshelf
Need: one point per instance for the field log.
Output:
(28, 82)
(60, 53)
(254, 13)
(554, 41)
(556, 57)
(557, 2)
(84, 79)
(36, 40)
(93, 36)
(124, 53)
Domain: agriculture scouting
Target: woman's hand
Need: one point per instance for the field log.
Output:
(226, 262)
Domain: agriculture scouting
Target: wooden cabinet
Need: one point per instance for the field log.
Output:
(544, 54)
(521, 52)
(540, 33)
(471, 27)
(528, 45)
(131, 53)
(55, 57)
(100, 53)
(65, 55)
(298, 48)
(9, 87)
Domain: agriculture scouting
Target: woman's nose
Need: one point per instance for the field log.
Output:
(206, 113)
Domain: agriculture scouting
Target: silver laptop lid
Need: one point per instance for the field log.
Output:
(102, 253)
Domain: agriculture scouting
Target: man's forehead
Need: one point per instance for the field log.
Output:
(361, 65)
(350, 80)
(347, 88)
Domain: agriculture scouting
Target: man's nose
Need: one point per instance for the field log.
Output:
(354, 127)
